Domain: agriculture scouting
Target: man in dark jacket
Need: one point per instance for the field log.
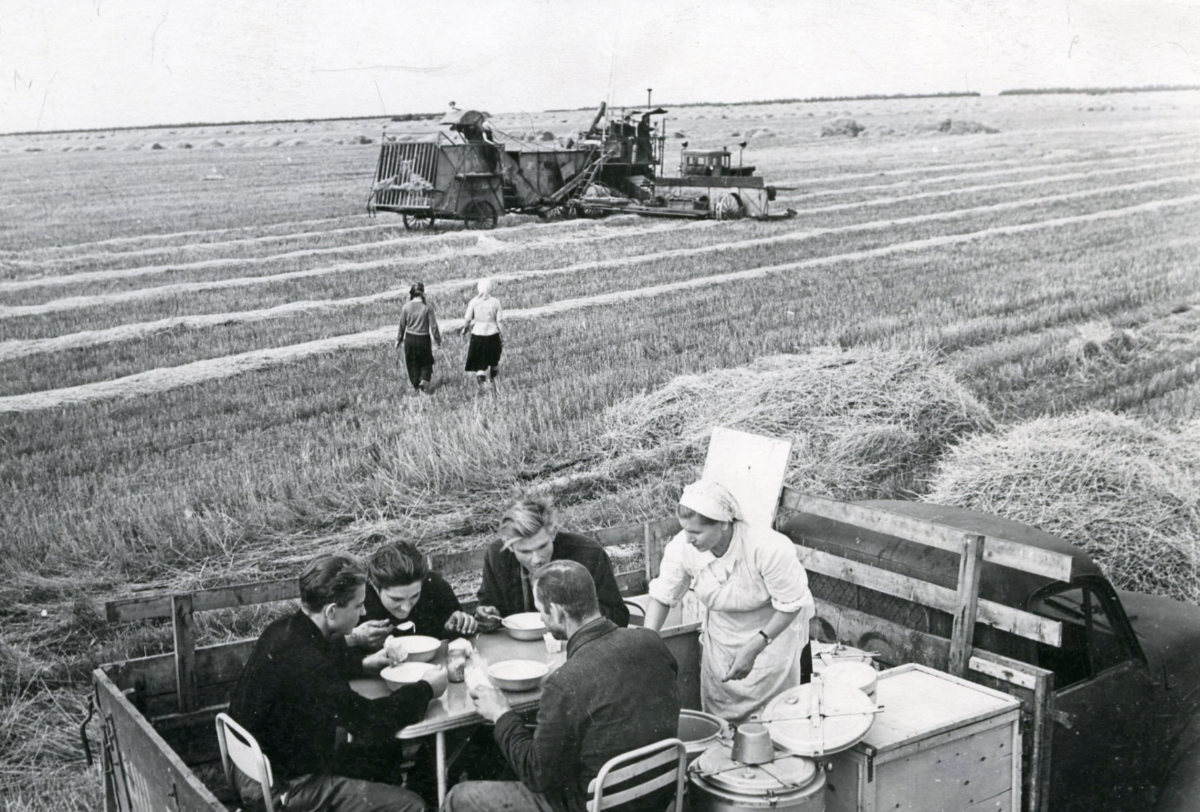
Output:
(617, 691)
(294, 693)
(529, 538)
(404, 596)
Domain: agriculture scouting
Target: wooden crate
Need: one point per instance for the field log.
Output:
(942, 744)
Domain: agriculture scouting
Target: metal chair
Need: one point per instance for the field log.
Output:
(239, 747)
(628, 766)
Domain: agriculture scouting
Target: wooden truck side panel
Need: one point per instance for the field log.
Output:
(141, 771)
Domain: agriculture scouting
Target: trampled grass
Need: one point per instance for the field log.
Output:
(244, 477)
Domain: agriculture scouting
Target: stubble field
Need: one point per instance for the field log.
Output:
(198, 384)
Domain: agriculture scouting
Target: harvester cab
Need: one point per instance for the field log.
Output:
(716, 163)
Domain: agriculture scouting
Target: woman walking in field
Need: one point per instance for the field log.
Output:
(482, 321)
(418, 332)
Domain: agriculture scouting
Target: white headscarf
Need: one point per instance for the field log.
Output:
(711, 499)
(484, 287)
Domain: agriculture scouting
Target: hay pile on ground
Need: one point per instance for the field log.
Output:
(863, 423)
(847, 127)
(1126, 493)
(955, 126)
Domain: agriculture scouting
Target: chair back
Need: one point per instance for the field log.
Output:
(240, 748)
(629, 766)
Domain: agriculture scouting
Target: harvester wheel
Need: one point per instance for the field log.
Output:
(418, 222)
(729, 207)
(480, 214)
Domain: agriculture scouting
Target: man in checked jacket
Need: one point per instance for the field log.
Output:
(616, 692)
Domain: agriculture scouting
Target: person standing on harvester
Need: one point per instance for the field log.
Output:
(482, 321)
(418, 332)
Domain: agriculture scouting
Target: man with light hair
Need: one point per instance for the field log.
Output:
(617, 691)
(482, 323)
(528, 538)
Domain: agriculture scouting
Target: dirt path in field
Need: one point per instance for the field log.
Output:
(436, 241)
(62, 280)
(1052, 159)
(440, 244)
(486, 245)
(11, 350)
(167, 378)
(142, 294)
(988, 187)
(1023, 167)
(201, 246)
(201, 232)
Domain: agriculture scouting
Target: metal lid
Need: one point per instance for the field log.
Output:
(785, 774)
(819, 718)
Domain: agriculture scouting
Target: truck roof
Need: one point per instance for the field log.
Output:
(1000, 584)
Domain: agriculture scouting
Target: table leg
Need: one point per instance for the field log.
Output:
(440, 748)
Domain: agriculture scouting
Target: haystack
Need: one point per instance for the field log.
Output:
(863, 422)
(1126, 493)
(842, 127)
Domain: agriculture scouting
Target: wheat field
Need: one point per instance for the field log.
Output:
(198, 384)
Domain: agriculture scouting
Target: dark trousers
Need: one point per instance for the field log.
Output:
(330, 793)
(418, 358)
(806, 664)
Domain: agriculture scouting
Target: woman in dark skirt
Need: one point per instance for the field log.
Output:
(482, 321)
(418, 332)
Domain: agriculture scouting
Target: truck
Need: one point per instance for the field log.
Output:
(472, 172)
(1107, 680)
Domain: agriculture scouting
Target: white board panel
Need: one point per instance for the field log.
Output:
(752, 467)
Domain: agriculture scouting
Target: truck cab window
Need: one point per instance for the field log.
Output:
(1090, 644)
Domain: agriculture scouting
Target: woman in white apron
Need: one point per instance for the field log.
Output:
(756, 598)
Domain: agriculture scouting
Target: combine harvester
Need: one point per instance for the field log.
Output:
(474, 173)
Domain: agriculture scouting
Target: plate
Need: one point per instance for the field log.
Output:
(517, 675)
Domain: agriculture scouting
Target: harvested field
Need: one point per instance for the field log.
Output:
(197, 383)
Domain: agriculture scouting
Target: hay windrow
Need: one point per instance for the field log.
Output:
(863, 423)
(1127, 493)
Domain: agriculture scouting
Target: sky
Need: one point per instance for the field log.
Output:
(73, 64)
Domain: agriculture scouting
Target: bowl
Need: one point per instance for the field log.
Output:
(405, 674)
(525, 626)
(752, 744)
(418, 647)
(697, 730)
(517, 675)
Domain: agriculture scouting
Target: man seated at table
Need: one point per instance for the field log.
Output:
(401, 589)
(294, 692)
(529, 538)
(616, 692)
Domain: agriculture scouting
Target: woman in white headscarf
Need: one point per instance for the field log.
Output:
(482, 321)
(756, 597)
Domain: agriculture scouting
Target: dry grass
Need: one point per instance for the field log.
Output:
(1126, 493)
(241, 478)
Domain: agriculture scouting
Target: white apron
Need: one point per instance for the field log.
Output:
(735, 604)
